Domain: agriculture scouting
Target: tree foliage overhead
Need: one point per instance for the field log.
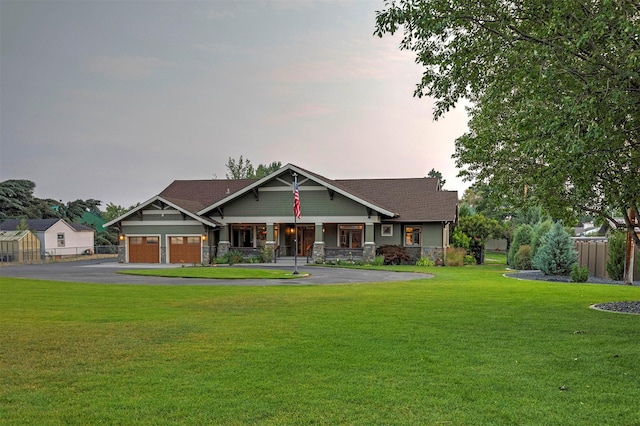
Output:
(243, 169)
(555, 93)
(433, 173)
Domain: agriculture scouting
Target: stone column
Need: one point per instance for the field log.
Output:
(318, 253)
(224, 244)
(369, 247)
(270, 244)
(122, 252)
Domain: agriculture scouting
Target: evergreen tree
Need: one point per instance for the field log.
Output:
(615, 258)
(556, 255)
(539, 231)
(521, 236)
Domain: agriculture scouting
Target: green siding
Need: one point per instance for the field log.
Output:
(162, 230)
(395, 239)
(431, 235)
(280, 203)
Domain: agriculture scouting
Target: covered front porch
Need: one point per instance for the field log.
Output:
(315, 241)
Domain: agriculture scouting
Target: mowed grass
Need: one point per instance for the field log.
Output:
(224, 272)
(468, 347)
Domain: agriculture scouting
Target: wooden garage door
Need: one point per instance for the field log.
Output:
(185, 250)
(144, 250)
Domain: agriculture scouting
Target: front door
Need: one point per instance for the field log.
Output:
(306, 238)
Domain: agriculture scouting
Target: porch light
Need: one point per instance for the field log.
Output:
(121, 237)
(204, 237)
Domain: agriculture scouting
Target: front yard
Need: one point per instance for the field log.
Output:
(468, 347)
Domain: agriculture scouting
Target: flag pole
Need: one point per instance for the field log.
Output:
(295, 227)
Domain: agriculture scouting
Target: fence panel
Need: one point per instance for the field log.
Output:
(593, 253)
(16, 257)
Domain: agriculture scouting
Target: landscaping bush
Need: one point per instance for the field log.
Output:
(470, 260)
(393, 254)
(455, 256)
(523, 258)
(579, 274)
(539, 231)
(557, 255)
(378, 261)
(266, 254)
(615, 260)
(231, 257)
(425, 261)
(460, 239)
(521, 236)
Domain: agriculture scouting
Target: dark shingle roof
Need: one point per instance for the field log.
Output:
(40, 225)
(32, 224)
(413, 199)
(195, 195)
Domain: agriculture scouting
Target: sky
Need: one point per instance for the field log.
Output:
(113, 100)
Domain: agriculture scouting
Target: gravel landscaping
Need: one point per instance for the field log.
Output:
(627, 307)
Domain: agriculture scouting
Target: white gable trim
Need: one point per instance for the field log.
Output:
(297, 170)
(169, 203)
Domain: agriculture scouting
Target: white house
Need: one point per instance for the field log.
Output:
(57, 237)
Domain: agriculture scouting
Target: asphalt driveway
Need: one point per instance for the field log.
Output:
(105, 271)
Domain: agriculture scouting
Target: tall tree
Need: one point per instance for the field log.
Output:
(433, 173)
(243, 169)
(112, 211)
(240, 169)
(16, 196)
(265, 169)
(555, 92)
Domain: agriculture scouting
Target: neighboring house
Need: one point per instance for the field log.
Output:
(19, 246)
(57, 237)
(192, 221)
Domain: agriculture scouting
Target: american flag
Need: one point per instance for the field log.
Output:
(296, 200)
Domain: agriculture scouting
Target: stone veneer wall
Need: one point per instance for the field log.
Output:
(318, 253)
(368, 252)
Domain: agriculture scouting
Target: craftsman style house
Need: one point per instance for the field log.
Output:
(193, 221)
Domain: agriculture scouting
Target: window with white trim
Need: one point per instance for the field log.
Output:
(412, 235)
(350, 236)
(61, 239)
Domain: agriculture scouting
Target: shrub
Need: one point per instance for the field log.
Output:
(469, 260)
(266, 254)
(579, 274)
(460, 239)
(523, 258)
(539, 231)
(521, 236)
(393, 254)
(557, 255)
(425, 261)
(616, 253)
(230, 257)
(378, 261)
(455, 256)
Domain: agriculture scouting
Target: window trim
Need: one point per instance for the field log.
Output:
(413, 228)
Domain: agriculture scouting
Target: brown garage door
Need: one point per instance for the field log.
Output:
(144, 250)
(185, 250)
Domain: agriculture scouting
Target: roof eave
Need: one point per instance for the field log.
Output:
(308, 175)
(169, 203)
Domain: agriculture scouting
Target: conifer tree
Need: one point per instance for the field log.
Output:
(521, 236)
(557, 255)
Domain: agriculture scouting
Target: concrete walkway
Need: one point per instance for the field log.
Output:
(105, 271)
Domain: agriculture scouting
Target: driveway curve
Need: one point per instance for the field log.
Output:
(107, 272)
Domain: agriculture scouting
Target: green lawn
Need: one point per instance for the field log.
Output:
(468, 347)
